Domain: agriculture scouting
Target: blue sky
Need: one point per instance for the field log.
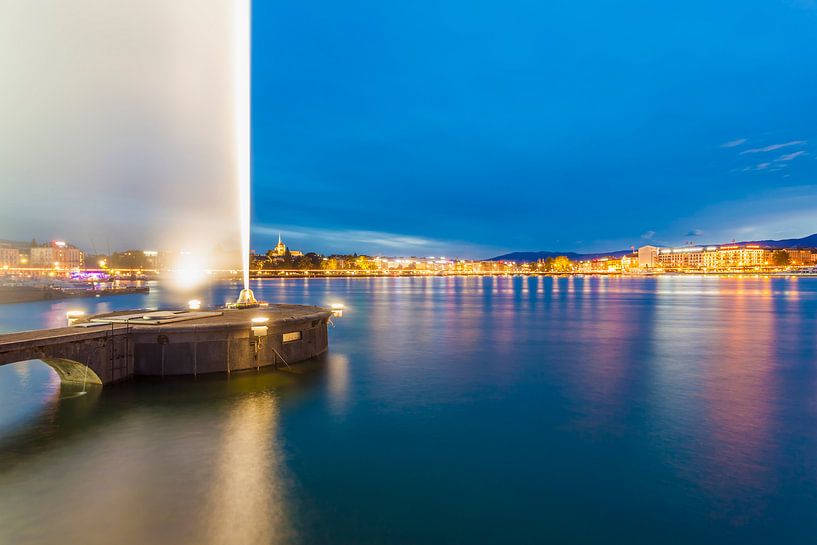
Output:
(472, 128)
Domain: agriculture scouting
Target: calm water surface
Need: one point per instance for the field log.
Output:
(449, 410)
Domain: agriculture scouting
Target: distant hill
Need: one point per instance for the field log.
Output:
(805, 242)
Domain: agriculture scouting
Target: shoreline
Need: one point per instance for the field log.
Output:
(27, 294)
(383, 274)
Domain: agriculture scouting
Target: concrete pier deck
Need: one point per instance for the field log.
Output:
(116, 346)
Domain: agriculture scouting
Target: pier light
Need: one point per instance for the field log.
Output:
(258, 327)
(336, 306)
(73, 316)
(194, 304)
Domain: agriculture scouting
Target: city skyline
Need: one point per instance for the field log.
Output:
(545, 127)
(281, 250)
(432, 129)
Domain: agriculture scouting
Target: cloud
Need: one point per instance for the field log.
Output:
(341, 240)
(648, 235)
(759, 166)
(695, 233)
(790, 156)
(774, 147)
(734, 143)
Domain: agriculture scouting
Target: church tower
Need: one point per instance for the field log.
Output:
(280, 248)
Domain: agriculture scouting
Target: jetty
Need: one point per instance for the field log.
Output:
(117, 346)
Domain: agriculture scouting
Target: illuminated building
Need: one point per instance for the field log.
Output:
(280, 250)
(732, 257)
(9, 257)
(431, 264)
(800, 257)
(630, 261)
(690, 257)
(57, 255)
(136, 259)
(648, 256)
(736, 257)
(601, 265)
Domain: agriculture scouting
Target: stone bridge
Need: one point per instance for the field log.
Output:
(113, 347)
(99, 355)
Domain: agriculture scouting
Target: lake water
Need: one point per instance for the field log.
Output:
(449, 410)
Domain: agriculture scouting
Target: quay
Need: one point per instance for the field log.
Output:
(113, 347)
(26, 294)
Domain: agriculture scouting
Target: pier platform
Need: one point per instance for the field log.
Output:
(112, 347)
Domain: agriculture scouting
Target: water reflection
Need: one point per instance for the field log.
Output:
(669, 408)
(337, 368)
(155, 461)
(716, 388)
(247, 502)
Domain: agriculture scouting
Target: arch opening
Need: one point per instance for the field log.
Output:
(72, 372)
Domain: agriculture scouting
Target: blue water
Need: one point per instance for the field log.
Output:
(448, 410)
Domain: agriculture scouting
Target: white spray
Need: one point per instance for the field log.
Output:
(242, 111)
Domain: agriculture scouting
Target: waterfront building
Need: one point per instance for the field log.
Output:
(9, 257)
(648, 257)
(601, 265)
(689, 257)
(734, 257)
(134, 259)
(57, 255)
(801, 256)
(629, 262)
(430, 264)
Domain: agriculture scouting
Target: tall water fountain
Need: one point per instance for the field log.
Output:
(242, 98)
(169, 129)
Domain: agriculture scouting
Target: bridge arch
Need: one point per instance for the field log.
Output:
(72, 372)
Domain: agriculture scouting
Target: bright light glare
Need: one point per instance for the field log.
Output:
(260, 320)
(337, 306)
(194, 304)
(188, 271)
(187, 279)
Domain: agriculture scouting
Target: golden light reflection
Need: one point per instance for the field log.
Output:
(740, 386)
(248, 504)
(714, 384)
(338, 374)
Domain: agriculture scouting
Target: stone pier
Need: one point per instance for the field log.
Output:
(113, 347)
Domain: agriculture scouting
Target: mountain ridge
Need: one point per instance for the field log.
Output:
(809, 241)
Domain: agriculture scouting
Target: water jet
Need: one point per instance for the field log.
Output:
(246, 299)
